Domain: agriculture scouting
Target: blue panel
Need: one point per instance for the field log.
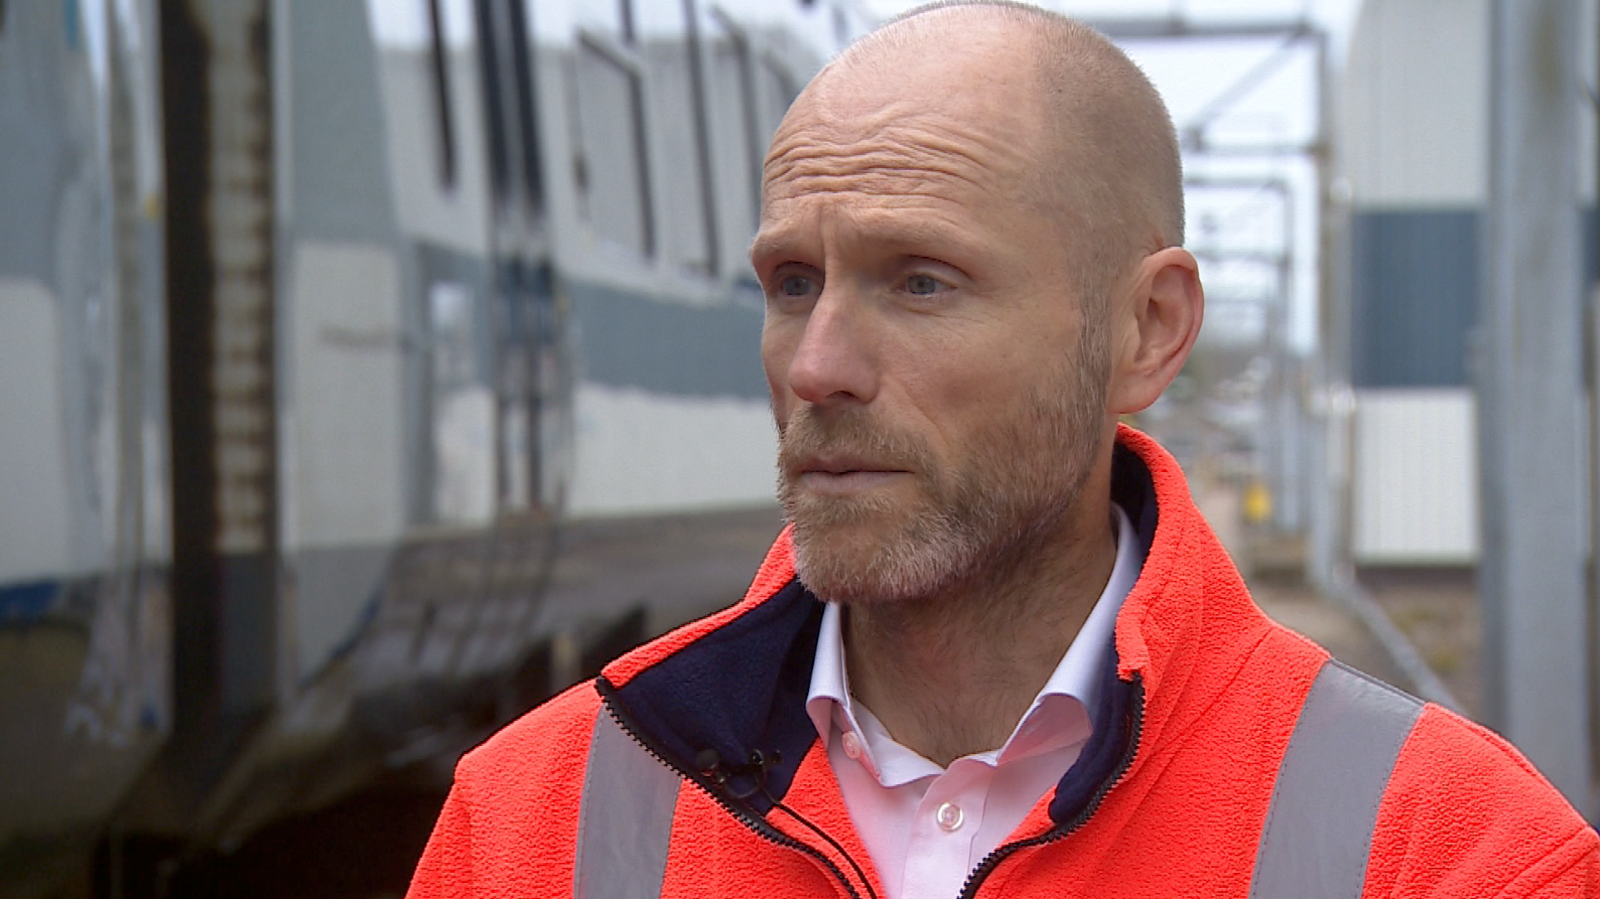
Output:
(27, 602)
(45, 141)
(69, 23)
(1414, 285)
(629, 340)
(1415, 291)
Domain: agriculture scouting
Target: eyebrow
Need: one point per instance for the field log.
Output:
(765, 244)
(938, 241)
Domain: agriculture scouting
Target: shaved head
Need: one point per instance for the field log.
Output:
(1105, 163)
(967, 246)
(968, 251)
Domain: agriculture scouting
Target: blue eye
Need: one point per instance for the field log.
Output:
(922, 285)
(794, 286)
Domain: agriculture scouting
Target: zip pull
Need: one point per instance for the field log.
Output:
(711, 765)
(713, 768)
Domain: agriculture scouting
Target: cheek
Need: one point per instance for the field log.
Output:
(776, 354)
(982, 395)
(952, 404)
(971, 380)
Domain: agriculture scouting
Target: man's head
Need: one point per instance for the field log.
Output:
(968, 245)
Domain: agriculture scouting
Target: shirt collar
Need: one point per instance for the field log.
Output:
(1076, 677)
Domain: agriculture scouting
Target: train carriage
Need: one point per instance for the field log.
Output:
(366, 371)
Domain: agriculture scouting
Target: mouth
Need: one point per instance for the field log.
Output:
(842, 475)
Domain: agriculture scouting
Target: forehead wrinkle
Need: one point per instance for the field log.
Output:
(845, 228)
(900, 159)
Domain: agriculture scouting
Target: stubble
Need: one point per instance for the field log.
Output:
(969, 519)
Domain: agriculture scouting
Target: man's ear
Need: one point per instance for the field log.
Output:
(1155, 328)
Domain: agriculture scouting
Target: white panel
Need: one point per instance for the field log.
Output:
(463, 442)
(34, 535)
(1414, 99)
(457, 216)
(1415, 490)
(641, 452)
(342, 418)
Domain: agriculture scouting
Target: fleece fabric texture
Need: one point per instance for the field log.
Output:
(1168, 800)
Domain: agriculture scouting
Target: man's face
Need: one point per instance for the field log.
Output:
(938, 387)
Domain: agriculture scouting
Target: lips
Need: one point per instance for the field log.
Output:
(844, 452)
(841, 476)
(841, 466)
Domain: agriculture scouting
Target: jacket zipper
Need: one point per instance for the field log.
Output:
(1061, 832)
(756, 823)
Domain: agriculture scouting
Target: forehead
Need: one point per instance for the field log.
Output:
(894, 150)
(906, 142)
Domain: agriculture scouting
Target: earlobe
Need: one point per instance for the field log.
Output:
(1165, 307)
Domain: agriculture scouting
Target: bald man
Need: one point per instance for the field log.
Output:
(998, 651)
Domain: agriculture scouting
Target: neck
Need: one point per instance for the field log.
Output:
(952, 674)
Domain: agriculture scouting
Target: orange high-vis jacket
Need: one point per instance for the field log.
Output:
(1230, 758)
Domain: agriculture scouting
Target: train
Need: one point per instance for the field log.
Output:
(369, 370)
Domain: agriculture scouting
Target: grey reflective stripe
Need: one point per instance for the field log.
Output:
(625, 821)
(1325, 803)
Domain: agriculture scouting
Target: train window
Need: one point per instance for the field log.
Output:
(702, 132)
(509, 101)
(527, 105)
(630, 33)
(738, 140)
(613, 172)
(674, 73)
(493, 95)
(441, 93)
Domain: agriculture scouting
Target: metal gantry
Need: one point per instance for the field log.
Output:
(1537, 632)
(1540, 623)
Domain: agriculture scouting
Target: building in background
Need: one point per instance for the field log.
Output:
(1409, 182)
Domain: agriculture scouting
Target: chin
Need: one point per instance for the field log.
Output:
(859, 565)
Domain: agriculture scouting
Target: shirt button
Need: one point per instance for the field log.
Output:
(852, 744)
(948, 817)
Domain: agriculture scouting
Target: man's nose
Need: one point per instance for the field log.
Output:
(836, 361)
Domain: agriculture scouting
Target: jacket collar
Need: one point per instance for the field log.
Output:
(728, 692)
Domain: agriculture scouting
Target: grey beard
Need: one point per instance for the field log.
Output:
(977, 525)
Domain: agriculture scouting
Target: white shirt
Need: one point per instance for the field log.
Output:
(927, 827)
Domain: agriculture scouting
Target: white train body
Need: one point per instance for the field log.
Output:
(362, 368)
